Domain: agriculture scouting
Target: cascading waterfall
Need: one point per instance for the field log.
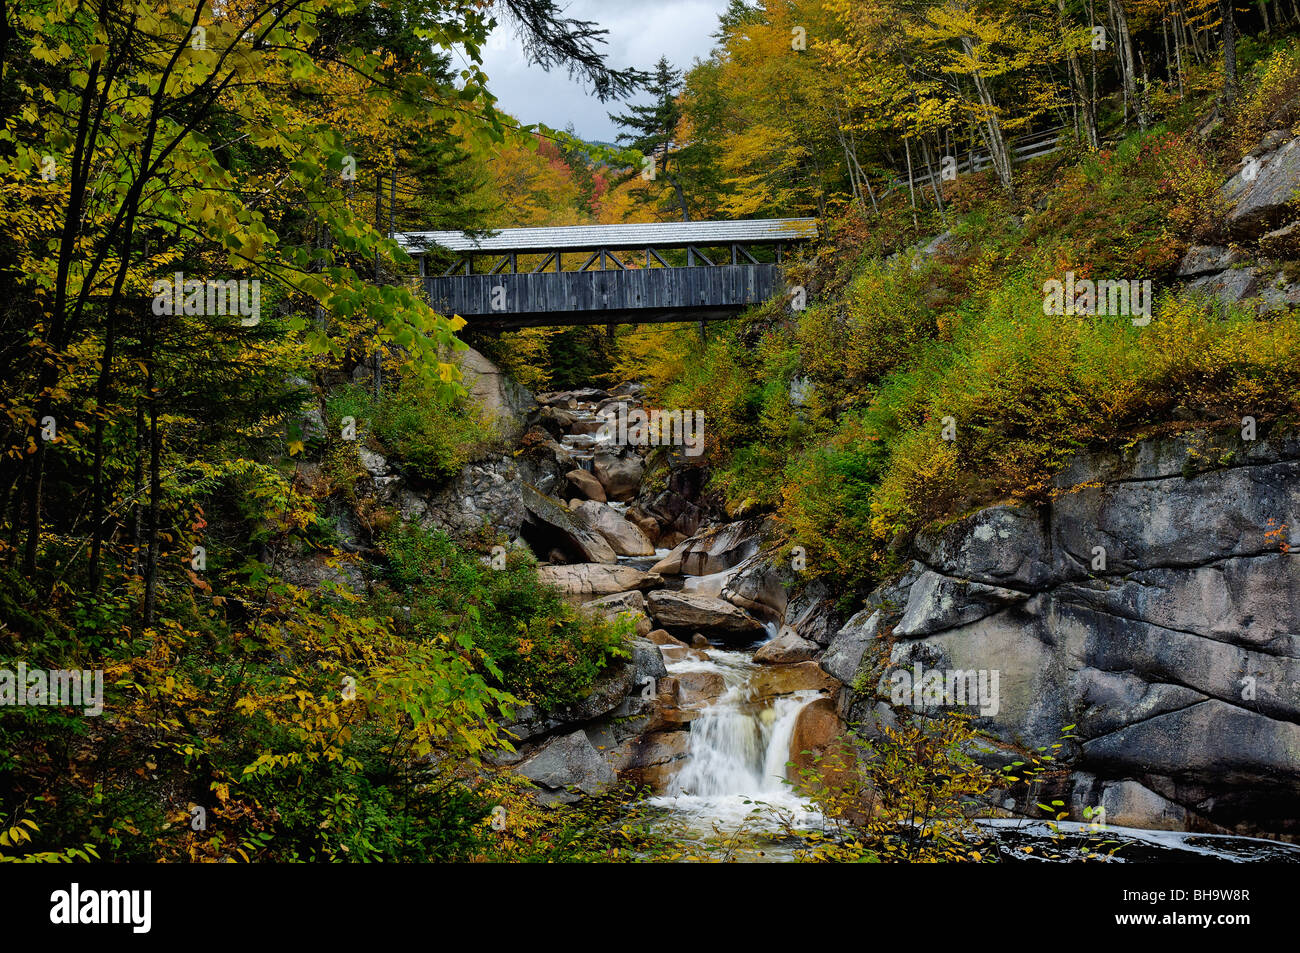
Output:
(738, 750)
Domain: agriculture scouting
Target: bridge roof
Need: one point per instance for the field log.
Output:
(617, 237)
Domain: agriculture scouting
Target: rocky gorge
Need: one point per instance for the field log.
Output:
(1146, 617)
(1151, 606)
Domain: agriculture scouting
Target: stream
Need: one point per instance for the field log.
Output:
(730, 796)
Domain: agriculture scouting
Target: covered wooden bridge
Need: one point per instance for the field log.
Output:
(606, 274)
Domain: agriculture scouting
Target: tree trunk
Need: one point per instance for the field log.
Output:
(102, 390)
(1083, 102)
(137, 487)
(1229, 52)
(992, 130)
(155, 454)
(1127, 61)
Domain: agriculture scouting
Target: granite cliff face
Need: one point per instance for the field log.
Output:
(1154, 604)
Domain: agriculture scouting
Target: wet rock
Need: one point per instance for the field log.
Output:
(678, 653)
(556, 421)
(1126, 804)
(698, 688)
(661, 637)
(772, 680)
(619, 475)
(586, 485)
(562, 398)
(624, 537)
(685, 610)
(817, 729)
(785, 648)
(654, 758)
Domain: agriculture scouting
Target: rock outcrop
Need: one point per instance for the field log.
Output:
(1154, 604)
(1258, 231)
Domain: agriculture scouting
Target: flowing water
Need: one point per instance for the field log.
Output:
(733, 780)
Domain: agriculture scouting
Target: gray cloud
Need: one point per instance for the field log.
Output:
(639, 33)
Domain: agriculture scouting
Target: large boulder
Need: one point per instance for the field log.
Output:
(1001, 545)
(618, 603)
(677, 502)
(586, 484)
(844, 655)
(549, 525)
(1208, 260)
(685, 610)
(817, 731)
(787, 647)
(758, 586)
(586, 581)
(773, 680)
(543, 462)
(714, 549)
(697, 688)
(655, 757)
(619, 474)
(1154, 605)
(940, 602)
(624, 537)
(566, 768)
(1258, 203)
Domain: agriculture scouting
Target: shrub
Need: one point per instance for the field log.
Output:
(433, 433)
(1274, 100)
(541, 649)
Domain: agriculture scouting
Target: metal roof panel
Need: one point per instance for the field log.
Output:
(616, 237)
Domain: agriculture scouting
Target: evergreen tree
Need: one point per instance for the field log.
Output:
(651, 128)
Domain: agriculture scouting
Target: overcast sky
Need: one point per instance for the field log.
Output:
(640, 31)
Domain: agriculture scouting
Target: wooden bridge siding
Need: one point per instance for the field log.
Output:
(583, 297)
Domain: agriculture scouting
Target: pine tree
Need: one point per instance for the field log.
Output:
(651, 128)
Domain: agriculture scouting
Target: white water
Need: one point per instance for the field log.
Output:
(739, 747)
